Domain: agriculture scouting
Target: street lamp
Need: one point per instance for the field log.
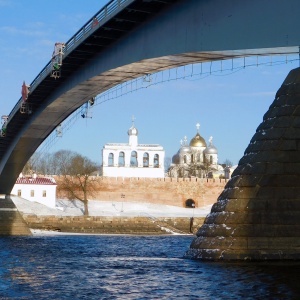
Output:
(122, 197)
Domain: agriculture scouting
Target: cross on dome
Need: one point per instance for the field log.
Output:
(132, 120)
(198, 126)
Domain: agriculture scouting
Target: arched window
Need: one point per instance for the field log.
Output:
(146, 160)
(133, 159)
(192, 158)
(184, 159)
(156, 161)
(211, 159)
(110, 159)
(121, 162)
(190, 203)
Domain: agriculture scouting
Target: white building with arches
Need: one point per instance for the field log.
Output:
(133, 159)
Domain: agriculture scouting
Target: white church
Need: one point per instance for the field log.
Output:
(133, 159)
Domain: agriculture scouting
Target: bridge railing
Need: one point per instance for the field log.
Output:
(108, 11)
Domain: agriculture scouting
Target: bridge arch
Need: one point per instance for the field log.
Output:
(187, 31)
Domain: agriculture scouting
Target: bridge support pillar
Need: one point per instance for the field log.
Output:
(11, 221)
(257, 216)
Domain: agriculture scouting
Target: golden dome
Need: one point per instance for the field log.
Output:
(197, 141)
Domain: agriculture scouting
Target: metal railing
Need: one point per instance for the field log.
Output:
(104, 14)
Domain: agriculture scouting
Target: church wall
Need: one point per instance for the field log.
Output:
(168, 191)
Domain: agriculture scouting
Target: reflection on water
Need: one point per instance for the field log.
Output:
(132, 267)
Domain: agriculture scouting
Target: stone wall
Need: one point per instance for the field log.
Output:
(113, 225)
(169, 191)
(257, 216)
(11, 221)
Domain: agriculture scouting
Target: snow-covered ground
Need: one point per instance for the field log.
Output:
(105, 208)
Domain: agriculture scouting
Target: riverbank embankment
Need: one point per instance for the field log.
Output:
(114, 225)
(111, 217)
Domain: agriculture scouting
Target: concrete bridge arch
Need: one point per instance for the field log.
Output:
(175, 33)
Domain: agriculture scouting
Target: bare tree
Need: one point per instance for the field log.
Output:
(227, 163)
(29, 167)
(77, 173)
(39, 163)
(167, 163)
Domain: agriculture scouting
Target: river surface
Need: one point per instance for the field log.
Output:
(132, 267)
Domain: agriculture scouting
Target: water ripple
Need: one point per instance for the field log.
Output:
(131, 267)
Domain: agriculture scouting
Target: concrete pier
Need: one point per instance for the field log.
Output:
(11, 221)
(257, 216)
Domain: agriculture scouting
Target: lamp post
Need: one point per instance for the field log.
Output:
(122, 197)
(192, 219)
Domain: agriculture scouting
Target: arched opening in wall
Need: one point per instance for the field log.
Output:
(190, 203)
(192, 158)
(185, 159)
(121, 162)
(146, 160)
(210, 175)
(110, 159)
(156, 161)
(133, 159)
(211, 159)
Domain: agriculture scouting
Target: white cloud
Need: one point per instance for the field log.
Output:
(21, 32)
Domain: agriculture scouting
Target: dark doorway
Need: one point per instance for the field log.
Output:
(190, 203)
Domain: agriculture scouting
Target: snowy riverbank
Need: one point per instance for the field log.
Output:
(105, 208)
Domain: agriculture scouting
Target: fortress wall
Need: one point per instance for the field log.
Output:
(169, 191)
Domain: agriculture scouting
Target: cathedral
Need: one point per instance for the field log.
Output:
(196, 159)
(133, 159)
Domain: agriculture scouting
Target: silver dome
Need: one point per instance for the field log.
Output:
(132, 131)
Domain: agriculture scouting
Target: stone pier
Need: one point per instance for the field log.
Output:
(257, 216)
(11, 221)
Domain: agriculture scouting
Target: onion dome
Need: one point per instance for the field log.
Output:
(211, 149)
(198, 140)
(176, 158)
(185, 149)
(132, 131)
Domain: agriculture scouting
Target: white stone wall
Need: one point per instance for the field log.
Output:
(214, 158)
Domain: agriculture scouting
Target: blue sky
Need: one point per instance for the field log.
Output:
(229, 104)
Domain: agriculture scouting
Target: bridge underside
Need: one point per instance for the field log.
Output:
(257, 216)
(143, 37)
(47, 116)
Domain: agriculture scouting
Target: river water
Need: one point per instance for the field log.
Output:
(132, 267)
